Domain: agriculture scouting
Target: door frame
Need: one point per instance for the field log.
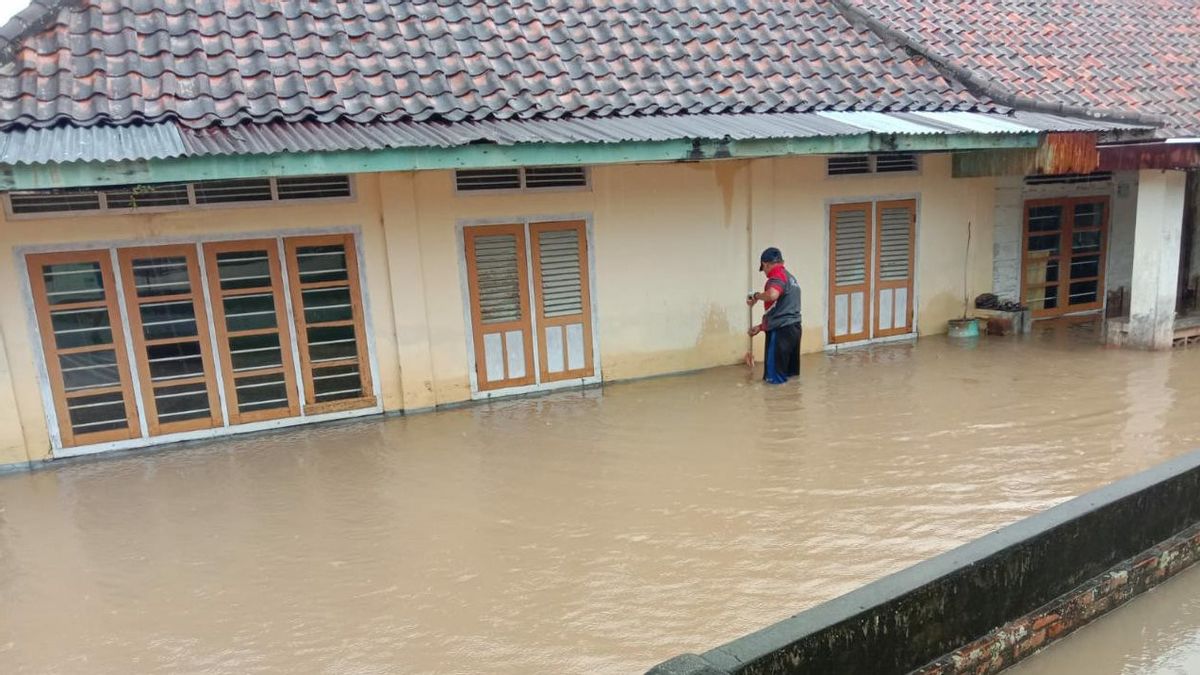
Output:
(874, 199)
(526, 221)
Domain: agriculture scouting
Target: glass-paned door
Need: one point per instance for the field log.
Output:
(83, 342)
(164, 299)
(1063, 255)
(250, 317)
(330, 323)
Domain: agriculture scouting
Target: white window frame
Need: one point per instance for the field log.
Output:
(104, 210)
(465, 291)
(227, 429)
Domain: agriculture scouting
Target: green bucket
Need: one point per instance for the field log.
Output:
(963, 328)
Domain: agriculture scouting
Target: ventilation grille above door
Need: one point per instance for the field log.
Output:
(895, 162)
(562, 284)
(313, 187)
(54, 201)
(146, 196)
(498, 269)
(844, 165)
(518, 178)
(1070, 178)
(555, 177)
(487, 179)
(226, 191)
(892, 162)
(167, 196)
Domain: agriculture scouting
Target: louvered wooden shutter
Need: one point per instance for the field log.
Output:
(850, 246)
(563, 300)
(893, 283)
(497, 272)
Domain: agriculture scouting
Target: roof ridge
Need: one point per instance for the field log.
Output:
(981, 86)
(35, 17)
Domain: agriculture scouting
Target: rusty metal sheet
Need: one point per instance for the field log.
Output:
(1150, 156)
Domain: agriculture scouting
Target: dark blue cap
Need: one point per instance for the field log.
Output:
(770, 255)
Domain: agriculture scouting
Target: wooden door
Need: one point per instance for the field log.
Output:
(323, 278)
(562, 300)
(497, 278)
(1063, 255)
(250, 317)
(164, 299)
(1085, 252)
(895, 239)
(84, 346)
(850, 229)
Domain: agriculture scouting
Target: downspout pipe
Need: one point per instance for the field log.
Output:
(987, 87)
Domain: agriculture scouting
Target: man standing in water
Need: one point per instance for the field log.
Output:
(781, 319)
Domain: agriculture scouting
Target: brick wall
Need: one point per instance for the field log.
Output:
(1057, 619)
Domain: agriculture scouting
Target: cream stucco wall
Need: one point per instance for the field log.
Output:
(674, 248)
(674, 256)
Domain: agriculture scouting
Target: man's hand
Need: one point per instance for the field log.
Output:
(754, 330)
(751, 299)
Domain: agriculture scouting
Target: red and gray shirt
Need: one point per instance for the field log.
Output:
(785, 310)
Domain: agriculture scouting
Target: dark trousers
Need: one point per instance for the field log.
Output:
(782, 354)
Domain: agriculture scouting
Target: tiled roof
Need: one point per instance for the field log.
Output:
(1139, 55)
(204, 62)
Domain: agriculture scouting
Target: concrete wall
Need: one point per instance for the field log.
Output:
(675, 249)
(1156, 258)
(1193, 183)
(912, 618)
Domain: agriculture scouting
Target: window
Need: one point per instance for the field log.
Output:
(329, 321)
(892, 162)
(206, 336)
(1063, 257)
(250, 317)
(84, 346)
(165, 196)
(165, 303)
(516, 178)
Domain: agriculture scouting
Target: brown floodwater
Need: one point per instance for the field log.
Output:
(1155, 634)
(586, 532)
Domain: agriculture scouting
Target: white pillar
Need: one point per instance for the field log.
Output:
(1156, 258)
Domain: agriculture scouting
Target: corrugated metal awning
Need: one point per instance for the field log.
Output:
(167, 140)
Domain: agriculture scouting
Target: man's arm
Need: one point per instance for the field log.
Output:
(770, 295)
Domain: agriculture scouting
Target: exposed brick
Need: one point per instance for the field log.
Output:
(1043, 621)
(1024, 635)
